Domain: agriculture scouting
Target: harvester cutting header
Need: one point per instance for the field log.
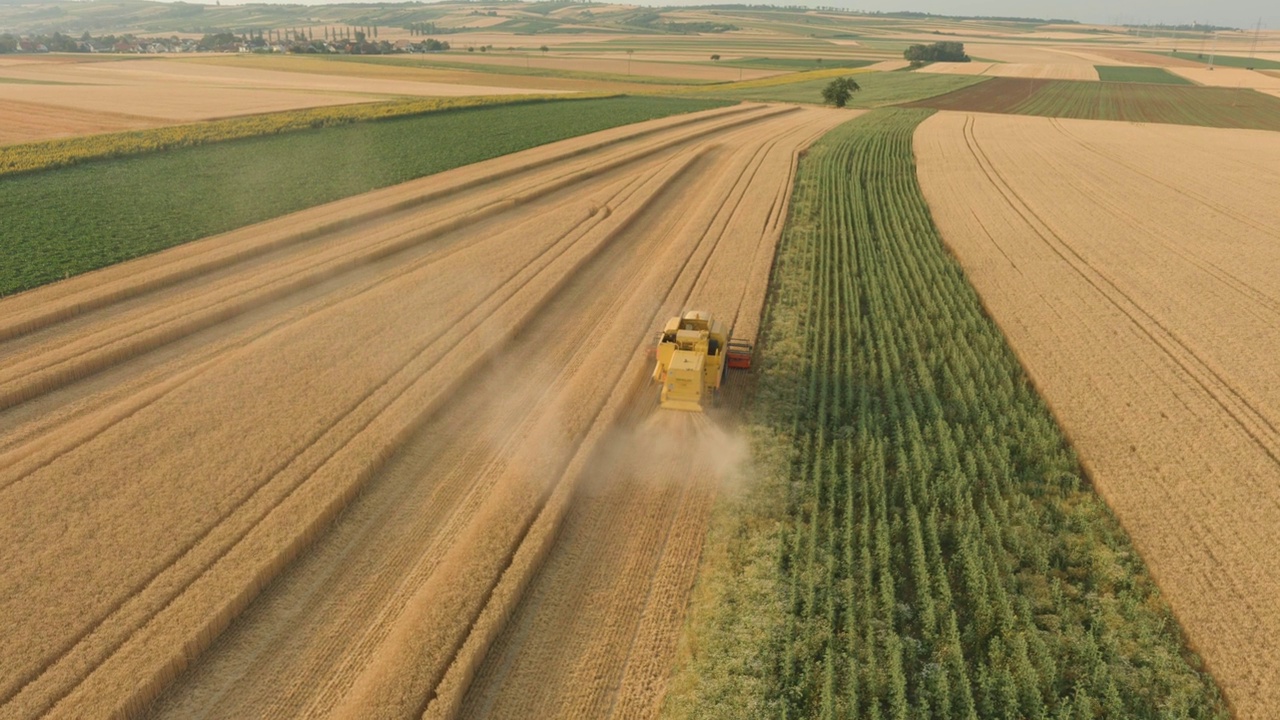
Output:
(694, 352)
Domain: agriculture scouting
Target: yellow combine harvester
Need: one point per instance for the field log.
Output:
(693, 354)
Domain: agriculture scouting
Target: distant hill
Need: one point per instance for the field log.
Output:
(148, 17)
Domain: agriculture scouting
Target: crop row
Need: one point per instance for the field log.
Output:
(47, 154)
(1119, 73)
(941, 554)
(70, 220)
(947, 558)
(1131, 101)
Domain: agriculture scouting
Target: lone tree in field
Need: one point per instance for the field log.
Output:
(838, 91)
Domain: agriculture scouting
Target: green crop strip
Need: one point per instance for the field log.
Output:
(1227, 60)
(70, 220)
(1111, 73)
(1207, 106)
(43, 155)
(1131, 101)
(921, 541)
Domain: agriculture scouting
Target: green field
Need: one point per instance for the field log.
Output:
(60, 152)
(1135, 102)
(920, 541)
(1112, 73)
(1228, 60)
(878, 89)
(795, 64)
(70, 220)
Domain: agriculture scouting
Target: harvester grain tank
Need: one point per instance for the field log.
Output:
(693, 354)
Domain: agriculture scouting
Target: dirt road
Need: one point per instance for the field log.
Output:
(379, 458)
(1135, 270)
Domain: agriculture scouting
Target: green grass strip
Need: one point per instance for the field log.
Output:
(30, 157)
(1227, 60)
(918, 540)
(70, 220)
(1133, 102)
(1113, 73)
(1176, 104)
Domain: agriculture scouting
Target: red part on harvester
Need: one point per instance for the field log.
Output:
(738, 354)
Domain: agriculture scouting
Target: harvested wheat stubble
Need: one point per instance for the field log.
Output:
(1135, 57)
(281, 371)
(1049, 71)
(1022, 53)
(950, 68)
(1043, 71)
(887, 66)
(26, 122)
(169, 90)
(559, 659)
(268, 494)
(1136, 272)
(615, 66)
(1228, 77)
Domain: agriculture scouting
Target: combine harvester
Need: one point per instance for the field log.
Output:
(693, 355)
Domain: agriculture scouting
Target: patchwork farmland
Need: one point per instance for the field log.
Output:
(346, 372)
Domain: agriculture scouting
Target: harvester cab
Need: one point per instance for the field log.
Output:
(693, 354)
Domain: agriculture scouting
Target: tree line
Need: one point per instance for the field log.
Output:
(936, 52)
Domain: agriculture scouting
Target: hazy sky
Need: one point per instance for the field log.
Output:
(1236, 13)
